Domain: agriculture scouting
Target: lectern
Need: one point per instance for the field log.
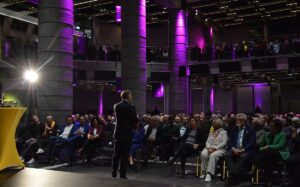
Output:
(9, 120)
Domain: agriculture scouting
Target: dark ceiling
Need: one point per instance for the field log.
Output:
(220, 13)
(236, 12)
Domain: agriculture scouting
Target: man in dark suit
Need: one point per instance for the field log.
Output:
(126, 117)
(241, 147)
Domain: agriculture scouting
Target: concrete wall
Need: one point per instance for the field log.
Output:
(290, 97)
(106, 33)
(198, 33)
(223, 100)
(153, 102)
(7, 31)
(157, 35)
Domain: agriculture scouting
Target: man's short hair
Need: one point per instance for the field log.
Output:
(125, 93)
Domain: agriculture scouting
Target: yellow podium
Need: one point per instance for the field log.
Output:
(9, 120)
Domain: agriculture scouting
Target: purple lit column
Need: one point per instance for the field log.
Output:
(118, 13)
(55, 56)
(134, 75)
(178, 42)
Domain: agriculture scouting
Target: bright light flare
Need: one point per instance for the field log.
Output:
(31, 76)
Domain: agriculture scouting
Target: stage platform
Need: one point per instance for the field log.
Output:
(46, 178)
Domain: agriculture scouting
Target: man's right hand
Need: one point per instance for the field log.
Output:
(235, 152)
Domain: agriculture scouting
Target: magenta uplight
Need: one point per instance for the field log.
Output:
(118, 13)
(201, 43)
(212, 99)
(160, 92)
(100, 104)
(211, 32)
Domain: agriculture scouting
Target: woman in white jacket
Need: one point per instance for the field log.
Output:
(214, 149)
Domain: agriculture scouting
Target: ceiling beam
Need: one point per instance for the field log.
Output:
(19, 16)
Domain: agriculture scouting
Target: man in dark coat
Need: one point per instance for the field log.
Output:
(241, 148)
(126, 118)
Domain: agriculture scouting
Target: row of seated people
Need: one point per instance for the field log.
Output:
(79, 134)
(236, 138)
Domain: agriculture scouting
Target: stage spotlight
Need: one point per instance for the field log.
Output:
(31, 76)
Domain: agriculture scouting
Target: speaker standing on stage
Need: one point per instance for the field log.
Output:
(126, 117)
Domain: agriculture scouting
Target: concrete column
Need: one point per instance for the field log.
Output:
(178, 41)
(55, 57)
(166, 98)
(134, 75)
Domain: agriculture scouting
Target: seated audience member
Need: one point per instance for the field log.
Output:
(93, 140)
(81, 131)
(230, 125)
(65, 137)
(76, 119)
(21, 134)
(214, 149)
(193, 142)
(151, 139)
(170, 137)
(49, 131)
(34, 131)
(258, 126)
(183, 126)
(108, 132)
(293, 162)
(110, 123)
(241, 148)
(272, 150)
(137, 141)
(160, 139)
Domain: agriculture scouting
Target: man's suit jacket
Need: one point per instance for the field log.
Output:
(200, 137)
(71, 136)
(249, 139)
(126, 117)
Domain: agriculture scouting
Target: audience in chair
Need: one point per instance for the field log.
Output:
(293, 162)
(162, 134)
(241, 148)
(93, 140)
(137, 141)
(81, 132)
(272, 151)
(214, 149)
(65, 138)
(35, 131)
(49, 131)
(192, 144)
